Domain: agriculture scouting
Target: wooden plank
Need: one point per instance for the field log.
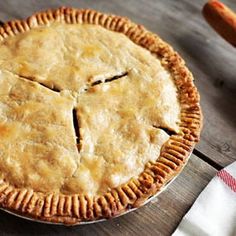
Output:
(160, 217)
(209, 57)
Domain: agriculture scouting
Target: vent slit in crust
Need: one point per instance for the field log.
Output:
(76, 128)
(116, 77)
(54, 89)
(167, 130)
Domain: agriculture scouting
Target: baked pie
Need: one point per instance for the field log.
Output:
(97, 114)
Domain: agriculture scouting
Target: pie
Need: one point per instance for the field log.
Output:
(97, 114)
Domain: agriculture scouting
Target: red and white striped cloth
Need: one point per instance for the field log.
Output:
(214, 211)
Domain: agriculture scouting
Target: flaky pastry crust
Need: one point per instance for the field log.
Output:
(72, 209)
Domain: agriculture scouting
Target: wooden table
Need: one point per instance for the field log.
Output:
(213, 63)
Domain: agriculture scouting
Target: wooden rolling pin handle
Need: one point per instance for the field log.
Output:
(222, 19)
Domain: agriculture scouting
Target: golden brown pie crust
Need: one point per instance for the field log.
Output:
(71, 209)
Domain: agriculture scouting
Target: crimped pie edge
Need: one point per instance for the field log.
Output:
(72, 209)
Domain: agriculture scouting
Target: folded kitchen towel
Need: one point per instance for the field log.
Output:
(214, 211)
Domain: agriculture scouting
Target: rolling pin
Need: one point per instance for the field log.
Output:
(222, 19)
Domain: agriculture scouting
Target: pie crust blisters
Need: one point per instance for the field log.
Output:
(89, 180)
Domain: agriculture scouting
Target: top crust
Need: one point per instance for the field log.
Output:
(173, 151)
(122, 95)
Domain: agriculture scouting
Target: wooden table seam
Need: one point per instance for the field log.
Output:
(207, 159)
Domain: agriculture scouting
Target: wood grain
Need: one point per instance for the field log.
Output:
(209, 57)
(159, 217)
